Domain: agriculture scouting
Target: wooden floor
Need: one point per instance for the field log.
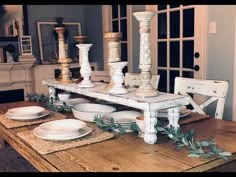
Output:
(11, 161)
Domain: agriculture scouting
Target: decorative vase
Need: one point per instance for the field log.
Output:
(145, 89)
(85, 69)
(113, 39)
(117, 78)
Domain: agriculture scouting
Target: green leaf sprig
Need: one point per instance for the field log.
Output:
(112, 125)
(49, 104)
(203, 149)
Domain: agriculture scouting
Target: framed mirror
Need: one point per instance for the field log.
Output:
(14, 22)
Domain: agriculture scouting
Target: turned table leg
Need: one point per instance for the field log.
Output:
(173, 117)
(2, 143)
(150, 119)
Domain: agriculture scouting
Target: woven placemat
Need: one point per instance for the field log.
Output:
(193, 117)
(46, 146)
(10, 123)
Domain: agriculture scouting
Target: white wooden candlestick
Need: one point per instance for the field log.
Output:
(113, 39)
(62, 51)
(80, 40)
(145, 89)
(65, 76)
(85, 69)
(118, 78)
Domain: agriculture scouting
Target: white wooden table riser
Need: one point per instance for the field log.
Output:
(150, 105)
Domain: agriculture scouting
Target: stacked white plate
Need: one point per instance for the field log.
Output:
(26, 113)
(182, 113)
(126, 119)
(61, 130)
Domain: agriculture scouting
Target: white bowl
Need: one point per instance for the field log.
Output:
(123, 116)
(27, 111)
(71, 102)
(88, 111)
(64, 96)
(63, 127)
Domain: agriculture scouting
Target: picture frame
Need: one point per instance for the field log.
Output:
(26, 45)
(48, 46)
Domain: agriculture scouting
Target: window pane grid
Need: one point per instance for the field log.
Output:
(121, 22)
(173, 21)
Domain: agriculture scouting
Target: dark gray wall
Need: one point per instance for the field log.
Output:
(94, 30)
(221, 49)
(48, 13)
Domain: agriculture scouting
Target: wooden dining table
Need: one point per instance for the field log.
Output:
(127, 152)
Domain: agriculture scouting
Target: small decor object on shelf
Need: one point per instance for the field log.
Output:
(113, 39)
(26, 45)
(118, 78)
(85, 70)
(145, 89)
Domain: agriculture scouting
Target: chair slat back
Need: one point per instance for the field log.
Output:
(216, 90)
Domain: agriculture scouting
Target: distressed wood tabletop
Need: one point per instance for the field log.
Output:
(126, 153)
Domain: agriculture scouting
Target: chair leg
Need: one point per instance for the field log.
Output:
(2, 143)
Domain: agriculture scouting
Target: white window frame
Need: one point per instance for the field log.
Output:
(202, 10)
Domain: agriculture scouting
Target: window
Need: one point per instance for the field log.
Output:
(48, 46)
(116, 18)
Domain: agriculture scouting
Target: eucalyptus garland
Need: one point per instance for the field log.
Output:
(202, 149)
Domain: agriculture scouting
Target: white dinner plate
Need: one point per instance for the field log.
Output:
(63, 126)
(81, 133)
(183, 113)
(71, 102)
(26, 111)
(22, 118)
(125, 117)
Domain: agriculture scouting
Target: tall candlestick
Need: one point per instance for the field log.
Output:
(145, 89)
(113, 39)
(65, 76)
(80, 40)
(85, 69)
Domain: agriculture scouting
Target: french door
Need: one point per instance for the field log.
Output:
(177, 43)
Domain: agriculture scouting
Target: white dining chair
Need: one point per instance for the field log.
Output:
(133, 80)
(213, 90)
(100, 76)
